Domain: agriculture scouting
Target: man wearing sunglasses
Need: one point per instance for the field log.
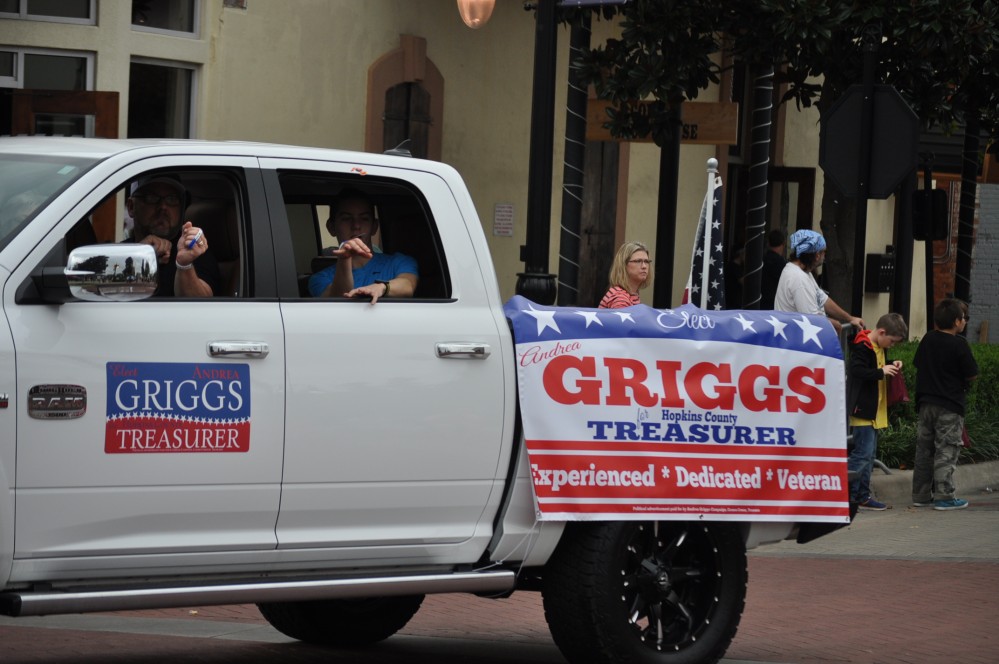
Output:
(186, 267)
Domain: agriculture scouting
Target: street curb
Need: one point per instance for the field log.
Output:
(970, 479)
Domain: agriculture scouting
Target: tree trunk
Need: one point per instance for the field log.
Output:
(966, 212)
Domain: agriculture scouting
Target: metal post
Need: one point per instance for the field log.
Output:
(901, 297)
(572, 172)
(535, 282)
(871, 41)
(928, 248)
(759, 163)
(669, 176)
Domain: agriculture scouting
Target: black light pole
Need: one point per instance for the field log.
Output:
(535, 282)
(871, 42)
(669, 178)
(759, 167)
(929, 222)
(572, 172)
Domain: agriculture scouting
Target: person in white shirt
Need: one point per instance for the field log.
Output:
(798, 291)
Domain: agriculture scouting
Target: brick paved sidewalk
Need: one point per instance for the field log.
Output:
(869, 593)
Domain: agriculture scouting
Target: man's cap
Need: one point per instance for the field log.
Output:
(806, 242)
(168, 180)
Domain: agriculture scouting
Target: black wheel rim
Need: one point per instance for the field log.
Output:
(671, 582)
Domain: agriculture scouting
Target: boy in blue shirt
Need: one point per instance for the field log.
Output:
(358, 270)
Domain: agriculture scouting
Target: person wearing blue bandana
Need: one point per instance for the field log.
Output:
(798, 292)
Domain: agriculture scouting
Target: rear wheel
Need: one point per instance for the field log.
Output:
(342, 622)
(658, 592)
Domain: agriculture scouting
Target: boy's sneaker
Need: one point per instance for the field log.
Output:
(873, 505)
(953, 504)
(923, 503)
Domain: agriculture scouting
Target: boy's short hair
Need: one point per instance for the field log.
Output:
(893, 325)
(947, 312)
(351, 194)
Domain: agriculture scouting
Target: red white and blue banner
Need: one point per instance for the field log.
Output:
(162, 407)
(683, 413)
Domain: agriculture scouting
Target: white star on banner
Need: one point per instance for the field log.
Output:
(590, 316)
(544, 318)
(625, 316)
(810, 332)
(746, 324)
(778, 327)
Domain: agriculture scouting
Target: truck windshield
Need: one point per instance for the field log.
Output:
(28, 183)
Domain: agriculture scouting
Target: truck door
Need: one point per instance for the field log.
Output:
(137, 433)
(395, 410)
(8, 449)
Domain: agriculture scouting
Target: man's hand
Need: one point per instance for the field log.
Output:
(191, 244)
(160, 245)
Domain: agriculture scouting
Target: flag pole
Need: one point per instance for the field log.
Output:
(708, 221)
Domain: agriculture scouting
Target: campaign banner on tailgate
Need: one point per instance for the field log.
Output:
(683, 413)
(162, 407)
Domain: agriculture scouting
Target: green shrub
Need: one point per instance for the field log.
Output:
(897, 443)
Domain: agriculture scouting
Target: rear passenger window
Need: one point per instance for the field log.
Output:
(325, 210)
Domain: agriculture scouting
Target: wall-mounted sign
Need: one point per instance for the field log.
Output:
(503, 219)
(704, 123)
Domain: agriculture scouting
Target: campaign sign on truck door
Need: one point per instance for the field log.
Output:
(681, 413)
(160, 407)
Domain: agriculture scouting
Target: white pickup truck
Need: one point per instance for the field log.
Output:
(329, 460)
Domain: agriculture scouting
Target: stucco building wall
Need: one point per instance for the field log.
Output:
(296, 72)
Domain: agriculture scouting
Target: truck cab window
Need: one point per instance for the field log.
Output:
(192, 219)
(401, 232)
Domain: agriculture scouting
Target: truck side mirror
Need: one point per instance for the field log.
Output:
(111, 272)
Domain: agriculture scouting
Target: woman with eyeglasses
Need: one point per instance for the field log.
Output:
(630, 272)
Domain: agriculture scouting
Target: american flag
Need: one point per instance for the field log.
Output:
(706, 283)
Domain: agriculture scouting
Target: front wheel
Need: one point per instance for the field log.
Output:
(342, 622)
(665, 592)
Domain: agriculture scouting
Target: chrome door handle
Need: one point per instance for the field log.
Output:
(257, 349)
(463, 350)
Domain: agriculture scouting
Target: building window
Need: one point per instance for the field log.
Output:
(54, 72)
(62, 11)
(35, 69)
(174, 16)
(159, 100)
(8, 69)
